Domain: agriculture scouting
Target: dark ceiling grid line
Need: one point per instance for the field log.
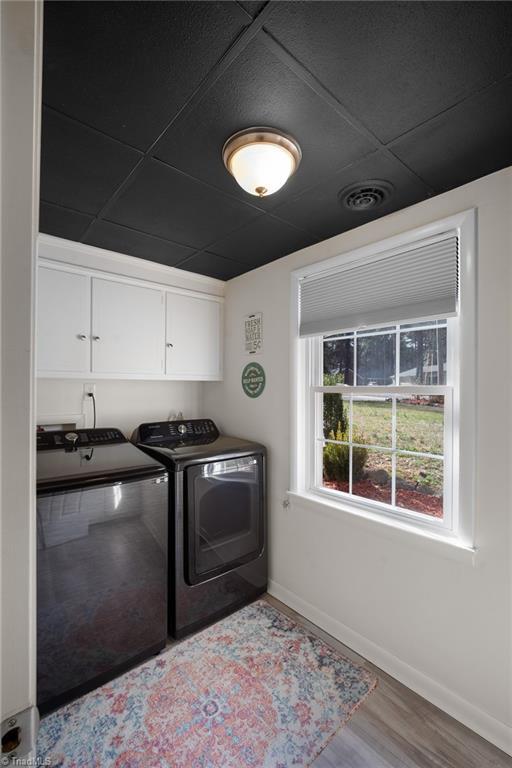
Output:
(305, 230)
(208, 81)
(121, 226)
(307, 77)
(64, 207)
(46, 208)
(299, 69)
(207, 184)
(89, 127)
(148, 234)
(210, 247)
(213, 265)
(81, 167)
(197, 251)
(249, 14)
(214, 244)
(205, 251)
(467, 99)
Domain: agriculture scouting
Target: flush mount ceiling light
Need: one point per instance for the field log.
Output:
(261, 159)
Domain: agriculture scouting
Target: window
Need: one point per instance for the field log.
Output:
(378, 407)
(381, 435)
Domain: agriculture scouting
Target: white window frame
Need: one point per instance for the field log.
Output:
(457, 524)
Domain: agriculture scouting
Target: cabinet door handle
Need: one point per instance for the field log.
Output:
(169, 344)
(96, 338)
(82, 336)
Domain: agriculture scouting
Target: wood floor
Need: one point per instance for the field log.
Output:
(396, 728)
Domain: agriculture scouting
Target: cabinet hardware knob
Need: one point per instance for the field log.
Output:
(169, 344)
(96, 338)
(82, 336)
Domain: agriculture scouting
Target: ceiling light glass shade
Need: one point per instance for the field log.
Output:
(261, 160)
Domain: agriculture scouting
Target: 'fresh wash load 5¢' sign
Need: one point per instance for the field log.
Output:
(253, 333)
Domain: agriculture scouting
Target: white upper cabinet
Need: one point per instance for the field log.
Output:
(94, 323)
(127, 328)
(63, 322)
(193, 347)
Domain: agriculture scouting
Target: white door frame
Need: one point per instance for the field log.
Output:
(20, 107)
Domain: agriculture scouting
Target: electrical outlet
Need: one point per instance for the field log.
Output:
(89, 389)
(19, 737)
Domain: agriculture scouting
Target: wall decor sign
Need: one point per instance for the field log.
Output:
(253, 329)
(253, 379)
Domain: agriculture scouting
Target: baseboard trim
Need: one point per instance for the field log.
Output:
(454, 705)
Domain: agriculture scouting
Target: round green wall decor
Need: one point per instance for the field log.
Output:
(253, 380)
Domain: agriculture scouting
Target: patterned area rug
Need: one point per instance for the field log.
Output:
(253, 691)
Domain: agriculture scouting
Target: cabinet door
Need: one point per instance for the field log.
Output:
(128, 326)
(193, 337)
(63, 322)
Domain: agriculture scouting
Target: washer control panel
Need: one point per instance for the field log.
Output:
(186, 432)
(79, 438)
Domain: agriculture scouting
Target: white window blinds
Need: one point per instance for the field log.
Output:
(418, 281)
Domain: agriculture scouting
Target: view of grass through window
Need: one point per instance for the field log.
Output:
(386, 447)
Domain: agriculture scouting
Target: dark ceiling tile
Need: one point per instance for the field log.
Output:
(467, 142)
(214, 266)
(127, 67)
(396, 64)
(80, 168)
(61, 222)
(264, 240)
(123, 240)
(164, 202)
(320, 210)
(259, 90)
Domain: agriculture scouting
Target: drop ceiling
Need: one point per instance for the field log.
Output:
(139, 98)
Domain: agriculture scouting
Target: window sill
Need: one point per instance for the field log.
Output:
(431, 541)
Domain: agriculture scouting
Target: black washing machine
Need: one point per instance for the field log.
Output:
(102, 516)
(217, 526)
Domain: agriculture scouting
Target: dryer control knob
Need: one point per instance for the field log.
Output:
(182, 429)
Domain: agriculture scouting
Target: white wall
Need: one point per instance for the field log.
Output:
(21, 34)
(120, 403)
(439, 622)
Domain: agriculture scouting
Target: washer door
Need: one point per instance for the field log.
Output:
(101, 583)
(225, 516)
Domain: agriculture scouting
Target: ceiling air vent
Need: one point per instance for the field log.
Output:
(365, 194)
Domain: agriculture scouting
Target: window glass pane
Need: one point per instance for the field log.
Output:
(335, 416)
(423, 356)
(336, 467)
(420, 423)
(372, 424)
(371, 474)
(419, 484)
(376, 360)
(339, 361)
